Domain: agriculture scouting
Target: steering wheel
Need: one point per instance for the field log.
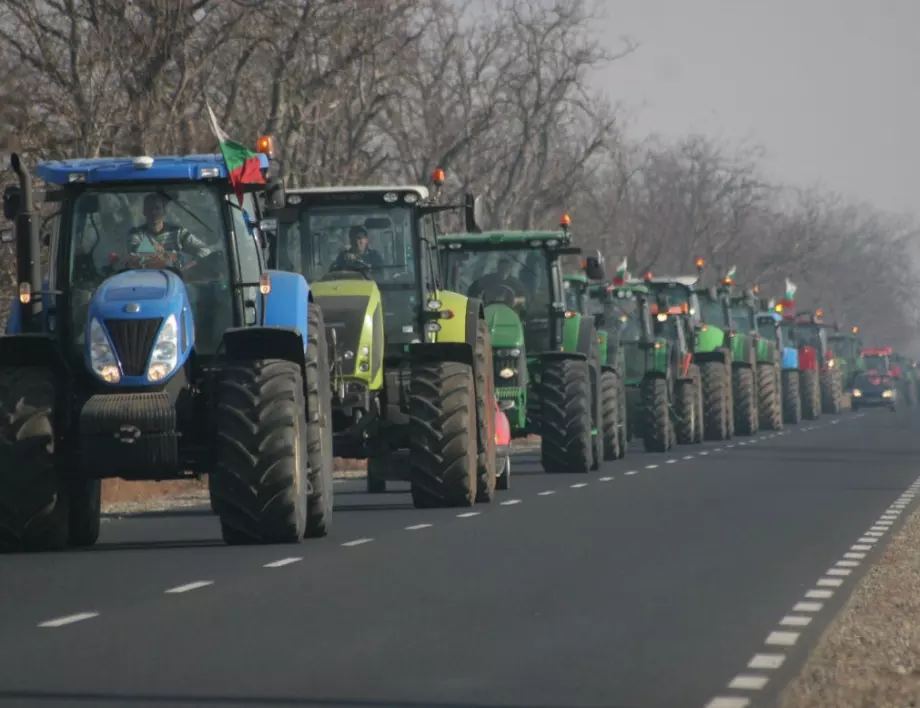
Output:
(502, 293)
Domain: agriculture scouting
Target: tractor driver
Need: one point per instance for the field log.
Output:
(500, 286)
(158, 244)
(359, 251)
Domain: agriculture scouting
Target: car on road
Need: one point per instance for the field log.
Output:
(874, 390)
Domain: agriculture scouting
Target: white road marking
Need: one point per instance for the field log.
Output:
(728, 702)
(795, 621)
(848, 564)
(808, 607)
(546, 493)
(879, 528)
(605, 479)
(718, 449)
(703, 452)
(830, 582)
(842, 572)
(468, 514)
(688, 457)
(672, 461)
(69, 619)
(728, 446)
(189, 587)
(819, 594)
(875, 534)
(748, 682)
(867, 539)
(782, 639)
(857, 556)
(883, 524)
(281, 563)
(742, 443)
(579, 485)
(632, 472)
(358, 542)
(766, 661)
(416, 527)
(509, 502)
(651, 467)
(861, 547)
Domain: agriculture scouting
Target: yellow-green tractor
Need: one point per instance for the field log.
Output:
(412, 376)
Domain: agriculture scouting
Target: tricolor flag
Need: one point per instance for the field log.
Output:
(242, 163)
(622, 273)
(790, 289)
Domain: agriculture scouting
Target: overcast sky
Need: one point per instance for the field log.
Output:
(830, 87)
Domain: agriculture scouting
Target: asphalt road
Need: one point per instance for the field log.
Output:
(658, 581)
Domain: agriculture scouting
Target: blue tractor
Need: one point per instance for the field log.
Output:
(123, 361)
(770, 326)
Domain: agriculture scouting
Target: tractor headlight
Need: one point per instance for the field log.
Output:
(888, 393)
(165, 354)
(101, 356)
(661, 317)
(507, 373)
(857, 393)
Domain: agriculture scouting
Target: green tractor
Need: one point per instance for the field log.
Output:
(768, 371)
(848, 347)
(412, 375)
(546, 356)
(672, 389)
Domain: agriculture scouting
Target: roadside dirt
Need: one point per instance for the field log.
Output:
(869, 657)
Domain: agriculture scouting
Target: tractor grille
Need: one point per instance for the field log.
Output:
(133, 340)
(500, 363)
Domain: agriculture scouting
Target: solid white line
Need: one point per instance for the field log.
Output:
(841, 572)
(808, 607)
(189, 587)
(728, 702)
(819, 594)
(509, 502)
(766, 661)
(748, 682)
(546, 493)
(795, 621)
(417, 527)
(782, 639)
(579, 485)
(69, 619)
(282, 562)
(830, 582)
(605, 479)
(857, 556)
(468, 514)
(651, 467)
(632, 472)
(358, 542)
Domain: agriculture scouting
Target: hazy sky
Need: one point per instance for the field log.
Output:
(830, 87)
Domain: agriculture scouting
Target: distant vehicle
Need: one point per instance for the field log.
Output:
(874, 390)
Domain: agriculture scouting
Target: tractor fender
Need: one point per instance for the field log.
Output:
(456, 340)
(39, 349)
(554, 356)
(704, 357)
(587, 337)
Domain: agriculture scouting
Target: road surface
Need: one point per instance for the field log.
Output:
(696, 578)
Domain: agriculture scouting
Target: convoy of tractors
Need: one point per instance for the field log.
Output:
(308, 324)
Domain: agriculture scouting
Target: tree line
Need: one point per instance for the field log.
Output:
(495, 92)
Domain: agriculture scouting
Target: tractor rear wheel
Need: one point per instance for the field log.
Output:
(486, 473)
(85, 506)
(623, 430)
(33, 497)
(686, 409)
(503, 482)
(443, 457)
(657, 428)
(831, 391)
(716, 410)
(319, 427)
(768, 397)
(259, 485)
(376, 482)
(565, 428)
(792, 397)
(610, 414)
(745, 400)
(811, 395)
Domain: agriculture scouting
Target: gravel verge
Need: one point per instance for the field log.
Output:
(869, 657)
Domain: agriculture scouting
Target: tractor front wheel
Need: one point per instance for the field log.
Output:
(716, 410)
(566, 443)
(831, 391)
(745, 400)
(486, 473)
(319, 429)
(686, 410)
(658, 433)
(610, 414)
(811, 395)
(768, 397)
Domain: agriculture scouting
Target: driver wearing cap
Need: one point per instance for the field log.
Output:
(168, 240)
(358, 251)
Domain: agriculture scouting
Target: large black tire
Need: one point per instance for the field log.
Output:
(376, 483)
(768, 394)
(811, 395)
(745, 400)
(716, 410)
(623, 418)
(443, 457)
(565, 439)
(831, 391)
(792, 397)
(33, 498)
(686, 410)
(486, 472)
(698, 389)
(259, 484)
(320, 501)
(597, 419)
(85, 506)
(610, 414)
(657, 428)
(503, 481)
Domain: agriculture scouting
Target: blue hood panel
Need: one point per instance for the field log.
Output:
(790, 358)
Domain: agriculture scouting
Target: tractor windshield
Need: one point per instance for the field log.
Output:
(766, 328)
(810, 335)
(519, 278)
(876, 362)
(711, 311)
(676, 293)
(743, 318)
(574, 295)
(845, 347)
(179, 225)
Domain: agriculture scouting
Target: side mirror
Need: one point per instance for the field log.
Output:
(594, 266)
(274, 194)
(12, 201)
(474, 213)
(7, 236)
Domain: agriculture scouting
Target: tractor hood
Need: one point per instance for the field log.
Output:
(351, 309)
(505, 326)
(139, 294)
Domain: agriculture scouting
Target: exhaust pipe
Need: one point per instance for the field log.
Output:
(28, 251)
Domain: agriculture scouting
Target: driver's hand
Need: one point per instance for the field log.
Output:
(155, 262)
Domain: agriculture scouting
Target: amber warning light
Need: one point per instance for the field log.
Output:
(565, 221)
(700, 264)
(266, 145)
(438, 177)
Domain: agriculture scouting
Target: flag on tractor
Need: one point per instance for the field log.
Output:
(730, 276)
(790, 289)
(622, 273)
(242, 163)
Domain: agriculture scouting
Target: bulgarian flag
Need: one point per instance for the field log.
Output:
(730, 276)
(622, 273)
(242, 163)
(790, 289)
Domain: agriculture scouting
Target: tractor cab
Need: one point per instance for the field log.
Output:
(878, 360)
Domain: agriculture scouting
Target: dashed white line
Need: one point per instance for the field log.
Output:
(727, 446)
(795, 621)
(632, 472)
(417, 527)
(808, 607)
(830, 582)
(671, 461)
(509, 502)
(703, 452)
(605, 479)
(188, 587)
(857, 556)
(281, 563)
(468, 514)
(848, 564)
(579, 485)
(688, 457)
(766, 661)
(69, 619)
(358, 542)
(861, 547)
(728, 702)
(782, 639)
(651, 467)
(819, 594)
(749, 682)
(546, 493)
(718, 449)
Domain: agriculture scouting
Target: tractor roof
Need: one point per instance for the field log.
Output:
(685, 280)
(418, 189)
(508, 239)
(136, 169)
